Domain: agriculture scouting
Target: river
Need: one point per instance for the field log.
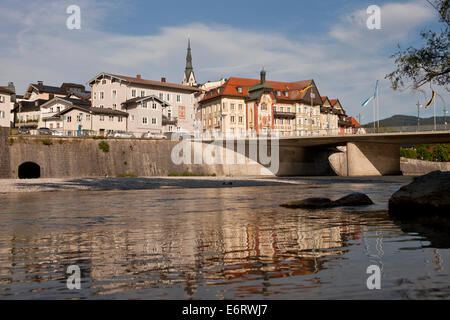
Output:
(215, 243)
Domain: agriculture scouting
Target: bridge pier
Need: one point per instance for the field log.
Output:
(372, 159)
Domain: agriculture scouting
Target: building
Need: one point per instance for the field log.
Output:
(39, 90)
(328, 118)
(80, 120)
(49, 111)
(27, 113)
(147, 115)
(116, 91)
(7, 99)
(344, 123)
(258, 107)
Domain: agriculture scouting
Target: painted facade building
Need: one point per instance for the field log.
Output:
(258, 107)
(39, 90)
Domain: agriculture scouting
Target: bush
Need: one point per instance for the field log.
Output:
(103, 146)
(408, 153)
(126, 176)
(47, 142)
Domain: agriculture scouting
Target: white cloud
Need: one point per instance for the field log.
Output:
(43, 49)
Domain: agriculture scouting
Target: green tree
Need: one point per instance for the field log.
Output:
(430, 63)
(423, 152)
(441, 153)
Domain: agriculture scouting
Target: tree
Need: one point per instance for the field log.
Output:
(429, 64)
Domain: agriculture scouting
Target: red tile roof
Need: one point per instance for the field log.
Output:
(354, 122)
(230, 88)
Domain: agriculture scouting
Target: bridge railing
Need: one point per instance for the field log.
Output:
(422, 128)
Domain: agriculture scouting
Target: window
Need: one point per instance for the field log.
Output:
(281, 121)
(88, 117)
(240, 119)
(144, 120)
(132, 118)
(161, 95)
(114, 93)
(144, 104)
(232, 119)
(101, 106)
(133, 93)
(111, 118)
(264, 107)
(79, 117)
(232, 106)
(240, 107)
(154, 106)
(102, 95)
(288, 109)
(153, 120)
(286, 94)
(178, 98)
(278, 93)
(281, 109)
(120, 119)
(142, 93)
(103, 81)
(114, 106)
(168, 97)
(69, 119)
(102, 118)
(169, 113)
(239, 89)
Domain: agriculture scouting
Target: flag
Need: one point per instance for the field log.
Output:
(305, 89)
(431, 100)
(367, 101)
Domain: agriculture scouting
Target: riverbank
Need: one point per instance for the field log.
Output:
(144, 183)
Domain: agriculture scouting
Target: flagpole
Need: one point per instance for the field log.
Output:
(378, 111)
(374, 117)
(434, 107)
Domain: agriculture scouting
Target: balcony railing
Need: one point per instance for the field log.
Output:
(283, 114)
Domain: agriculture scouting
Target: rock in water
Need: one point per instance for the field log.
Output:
(311, 203)
(354, 199)
(427, 195)
(351, 200)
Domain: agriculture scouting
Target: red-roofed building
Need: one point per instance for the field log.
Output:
(244, 106)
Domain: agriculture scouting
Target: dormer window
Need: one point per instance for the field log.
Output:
(239, 89)
(218, 90)
(278, 93)
(286, 93)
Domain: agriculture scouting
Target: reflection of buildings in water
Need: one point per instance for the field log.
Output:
(204, 249)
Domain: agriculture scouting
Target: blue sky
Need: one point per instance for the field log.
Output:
(295, 40)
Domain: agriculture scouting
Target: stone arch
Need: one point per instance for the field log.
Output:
(29, 170)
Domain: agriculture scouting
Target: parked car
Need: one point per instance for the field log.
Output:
(58, 133)
(24, 130)
(123, 134)
(45, 131)
(155, 136)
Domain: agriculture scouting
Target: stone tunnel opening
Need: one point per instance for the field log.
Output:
(29, 170)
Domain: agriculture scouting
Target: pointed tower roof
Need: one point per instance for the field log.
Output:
(189, 70)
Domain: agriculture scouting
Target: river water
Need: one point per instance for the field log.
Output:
(215, 243)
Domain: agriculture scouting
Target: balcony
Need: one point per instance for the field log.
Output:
(169, 121)
(283, 114)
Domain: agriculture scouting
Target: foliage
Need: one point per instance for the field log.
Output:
(430, 63)
(47, 142)
(126, 176)
(103, 146)
(440, 153)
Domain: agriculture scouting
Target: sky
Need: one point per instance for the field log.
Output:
(326, 40)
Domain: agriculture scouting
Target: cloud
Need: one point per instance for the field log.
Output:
(44, 49)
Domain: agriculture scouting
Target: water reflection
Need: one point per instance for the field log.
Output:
(177, 244)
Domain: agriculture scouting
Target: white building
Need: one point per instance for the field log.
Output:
(6, 106)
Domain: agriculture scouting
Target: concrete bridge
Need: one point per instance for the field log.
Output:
(351, 155)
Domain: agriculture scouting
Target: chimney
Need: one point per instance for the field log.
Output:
(163, 79)
(138, 76)
(40, 84)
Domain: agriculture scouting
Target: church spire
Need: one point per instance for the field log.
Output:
(189, 78)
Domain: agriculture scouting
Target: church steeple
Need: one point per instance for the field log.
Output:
(189, 78)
